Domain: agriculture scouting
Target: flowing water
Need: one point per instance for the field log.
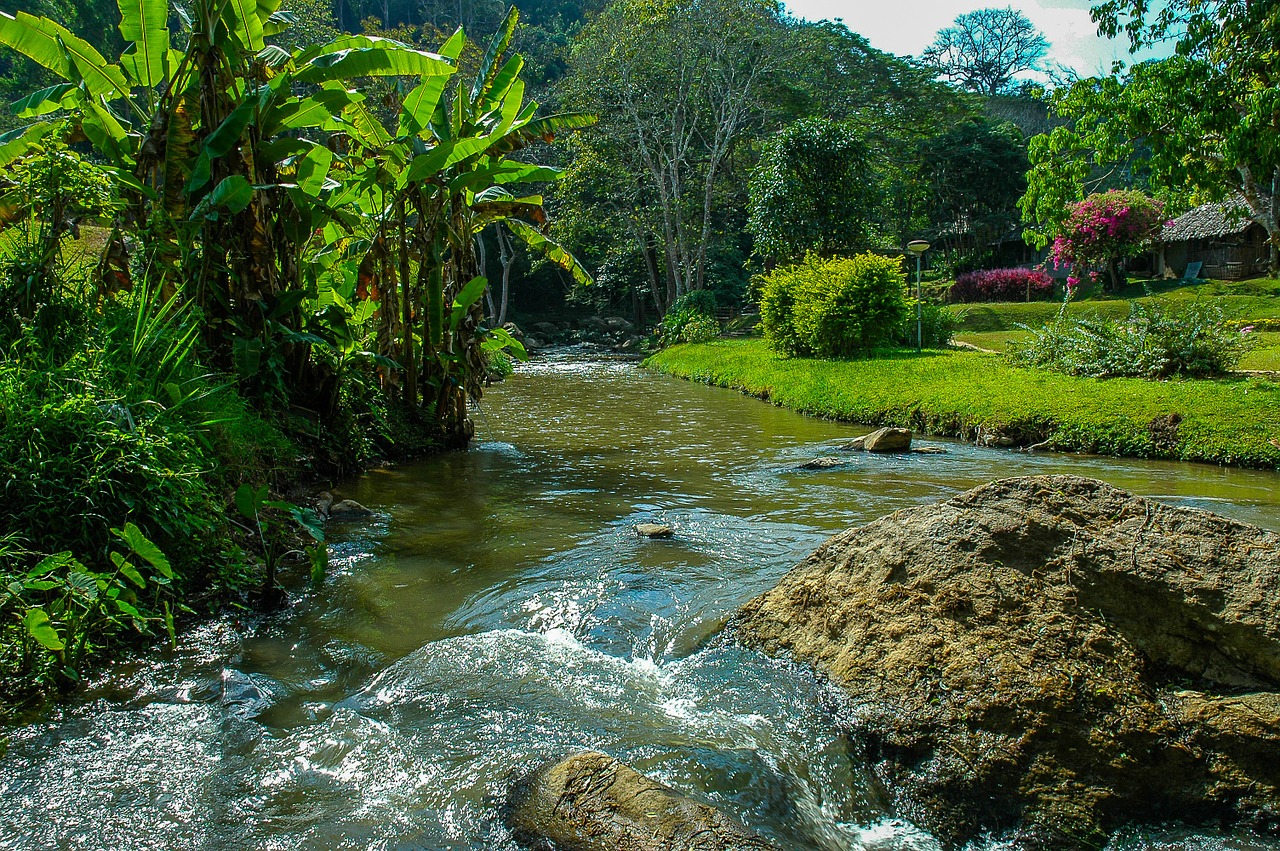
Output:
(499, 610)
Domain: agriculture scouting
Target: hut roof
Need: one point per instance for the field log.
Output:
(1208, 221)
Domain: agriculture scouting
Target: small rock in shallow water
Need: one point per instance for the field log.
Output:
(928, 450)
(821, 464)
(654, 530)
(347, 509)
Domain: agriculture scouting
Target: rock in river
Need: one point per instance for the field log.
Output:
(592, 802)
(653, 530)
(882, 440)
(1050, 653)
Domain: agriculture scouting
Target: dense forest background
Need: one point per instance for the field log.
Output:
(731, 137)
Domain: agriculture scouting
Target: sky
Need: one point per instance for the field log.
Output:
(906, 27)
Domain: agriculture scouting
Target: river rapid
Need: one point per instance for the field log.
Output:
(499, 610)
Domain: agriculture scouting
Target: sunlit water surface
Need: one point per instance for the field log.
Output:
(499, 610)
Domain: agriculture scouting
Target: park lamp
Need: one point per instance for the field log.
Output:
(918, 247)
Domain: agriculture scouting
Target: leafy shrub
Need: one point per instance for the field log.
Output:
(683, 311)
(1001, 285)
(843, 307)
(700, 329)
(60, 612)
(937, 326)
(1157, 341)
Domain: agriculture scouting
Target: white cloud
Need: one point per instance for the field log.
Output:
(906, 27)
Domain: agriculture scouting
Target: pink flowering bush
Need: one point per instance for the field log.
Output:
(1106, 228)
(1001, 285)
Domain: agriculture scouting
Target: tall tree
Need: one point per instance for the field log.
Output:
(812, 191)
(673, 106)
(985, 49)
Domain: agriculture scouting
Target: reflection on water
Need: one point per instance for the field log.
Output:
(500, 610)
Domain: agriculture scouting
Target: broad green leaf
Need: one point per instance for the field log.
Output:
(420, 104)
(365, 125)
(128, 571)
(16, 143)
(313, 169)
(502, 172)
(45, 101)
(379, 61)
(145, 24)
(500, 339)
(425, 165)
(493, 55)
(128, 609)
(540, 130)
(549, 248)
(241, 18)
(469, 295)
(250, 499)
(48, 564)
(41, 629)
(106, 133)
(84, 583)
(232, 193)
(318, 110)
(55, 47)
(452, 48)
(143, 546)
(279, 22)
(232, 128)
(502, 83)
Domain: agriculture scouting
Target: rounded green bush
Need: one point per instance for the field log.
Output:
(700, 329)
(834, 308)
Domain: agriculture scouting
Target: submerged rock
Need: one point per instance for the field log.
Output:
(821, 464)
(592, 802)
(653, 530)
(1048, 652)
(929, 450)
(882, 440)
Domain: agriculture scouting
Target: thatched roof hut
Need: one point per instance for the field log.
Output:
(1220, 237)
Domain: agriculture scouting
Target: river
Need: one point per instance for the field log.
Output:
(499, 610)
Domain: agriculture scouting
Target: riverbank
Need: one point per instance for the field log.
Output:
(144, 492)
(974, 395)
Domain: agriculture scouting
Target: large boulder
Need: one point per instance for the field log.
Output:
(1048, 653)
(592, 802)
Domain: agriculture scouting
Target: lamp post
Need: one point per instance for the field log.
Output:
(918, 247)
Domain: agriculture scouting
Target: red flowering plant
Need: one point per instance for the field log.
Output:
(1104, 229)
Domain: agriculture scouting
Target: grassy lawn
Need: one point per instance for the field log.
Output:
(1230, 421)
(1246, 300)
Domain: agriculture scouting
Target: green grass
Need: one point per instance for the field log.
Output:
(1245, 300)
(996, 341)
(1266, 353)
(1232, 421)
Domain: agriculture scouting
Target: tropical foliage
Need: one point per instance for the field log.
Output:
(305, 227)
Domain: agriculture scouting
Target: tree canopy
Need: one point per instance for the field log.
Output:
(1203, 125)
(985, 49)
